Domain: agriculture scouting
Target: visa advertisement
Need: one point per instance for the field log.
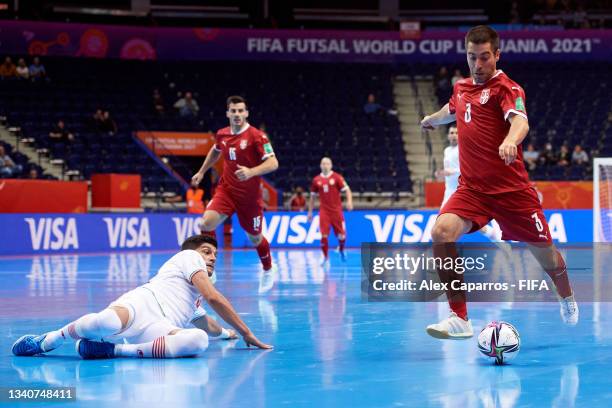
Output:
(24, 234)
(291, 229)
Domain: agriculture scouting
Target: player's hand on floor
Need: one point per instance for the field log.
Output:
(243, 173)
(251, 340)
(426, 123)
(197, 178)
(232, 335)
(508, 152)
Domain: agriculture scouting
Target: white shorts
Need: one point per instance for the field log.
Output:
(146, 321)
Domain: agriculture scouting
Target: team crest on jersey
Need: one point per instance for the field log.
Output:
(484, 96)
(243, 144)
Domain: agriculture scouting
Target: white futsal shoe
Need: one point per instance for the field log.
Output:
(569, 310)
(267, 279)
(453, 327)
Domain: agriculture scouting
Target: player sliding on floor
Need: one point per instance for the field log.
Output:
(155, 320)
(247, 155)
(489, 109)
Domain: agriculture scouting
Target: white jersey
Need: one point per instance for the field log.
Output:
(451, 162)
(172, 286)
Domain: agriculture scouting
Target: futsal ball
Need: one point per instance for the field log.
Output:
(499, 341)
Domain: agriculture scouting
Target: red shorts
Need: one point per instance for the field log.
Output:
(335, 220)
(250, 215)
(518, 213)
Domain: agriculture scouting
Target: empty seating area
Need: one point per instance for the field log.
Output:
(308, 110)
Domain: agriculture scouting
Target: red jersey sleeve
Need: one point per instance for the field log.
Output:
(263, 146)
(512, 100)
(451, 101)
(314, 188)
(341, 183)
(217, 144)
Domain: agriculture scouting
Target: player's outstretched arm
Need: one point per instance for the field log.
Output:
(214, 329)
(224, 309)
(441, 117)
(519, 127)
(211, 158)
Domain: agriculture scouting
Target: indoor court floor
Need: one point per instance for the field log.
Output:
(331, 347)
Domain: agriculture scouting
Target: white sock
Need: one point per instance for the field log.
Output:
(185, 343)
(92, 326)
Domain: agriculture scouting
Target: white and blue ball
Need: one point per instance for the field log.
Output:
(499, 341)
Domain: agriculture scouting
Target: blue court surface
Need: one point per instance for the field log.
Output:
(331, 348)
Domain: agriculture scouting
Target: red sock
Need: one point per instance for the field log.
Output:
(456, 298)
(341, 244)
(263, 250)
(560, 278)
(324, 246)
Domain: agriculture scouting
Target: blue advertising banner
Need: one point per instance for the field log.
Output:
(291, 229)
(22, 234)
(62, 233)
(145, 43)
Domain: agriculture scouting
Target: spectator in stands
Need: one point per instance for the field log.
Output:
(530, 156)
(60, 133)
(579, 156)
(108, 125)
(8, 70)
(194, 198)
(187, 106)
(564, 156)
(37, 70)
(33, 174)
(548, 156)
(371, 107)
(8, 168)
(443, 87)
(158, 103)
(22, 69)
(298, 201)
(457, 76)
(97, 119)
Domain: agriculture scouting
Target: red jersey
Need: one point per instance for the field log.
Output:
(482, 114)
(248, 148)
(329, 188)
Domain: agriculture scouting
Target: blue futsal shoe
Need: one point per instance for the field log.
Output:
(28, 345)
(94, 350)
(342, 255)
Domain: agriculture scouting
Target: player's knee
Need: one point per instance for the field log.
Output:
(208, 224)
(443, 232)
(255, 239)
(197, 340)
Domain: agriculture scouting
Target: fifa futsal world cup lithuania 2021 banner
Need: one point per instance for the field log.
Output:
(141, 43)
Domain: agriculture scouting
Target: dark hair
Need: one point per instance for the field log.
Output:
(235, 99)
(483, 34)
(195, 241)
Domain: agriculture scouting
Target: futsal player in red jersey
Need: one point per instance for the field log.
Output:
(247, 155)
(328, 185)
(489, 109)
